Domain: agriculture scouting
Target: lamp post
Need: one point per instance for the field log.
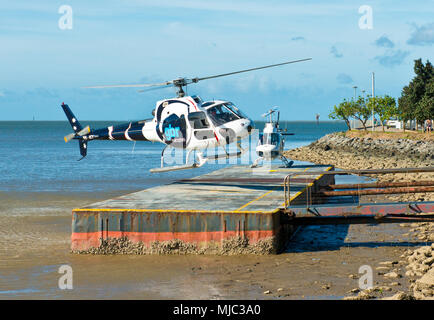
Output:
(355, 89)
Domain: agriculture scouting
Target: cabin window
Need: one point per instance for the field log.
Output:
(197, 99)
(269, 138)
(198, 120)
(204, 134)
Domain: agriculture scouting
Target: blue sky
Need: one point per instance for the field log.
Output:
(118, 42)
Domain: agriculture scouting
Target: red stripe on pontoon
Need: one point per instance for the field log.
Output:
(84, 241)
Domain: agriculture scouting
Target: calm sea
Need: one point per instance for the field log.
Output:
(35, 158)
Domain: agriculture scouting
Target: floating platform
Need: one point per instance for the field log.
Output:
(236, 209)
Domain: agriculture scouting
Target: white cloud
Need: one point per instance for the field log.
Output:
(423, 35)
(392, 58)
(384, 42)
(334, 51)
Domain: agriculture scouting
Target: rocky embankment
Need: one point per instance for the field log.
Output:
(400, 148)
(416, 265)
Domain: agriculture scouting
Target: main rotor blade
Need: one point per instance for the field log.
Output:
(269, 112)
(152, 89)
(247, 70)
(132, 85)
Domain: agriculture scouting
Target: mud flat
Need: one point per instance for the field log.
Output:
(321, 262)
(415, 266)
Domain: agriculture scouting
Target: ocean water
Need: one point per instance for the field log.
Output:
(35, 158)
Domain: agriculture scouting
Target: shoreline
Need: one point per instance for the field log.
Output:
(346, 151)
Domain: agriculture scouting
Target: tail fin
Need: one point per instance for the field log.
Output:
(79, 132)
(76, 126)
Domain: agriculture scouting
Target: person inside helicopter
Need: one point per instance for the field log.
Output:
(224, 113)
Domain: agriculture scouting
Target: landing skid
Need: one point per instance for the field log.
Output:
(200, 163)
(286, 163)
(174, 168)
(255, 164)
(201, 160)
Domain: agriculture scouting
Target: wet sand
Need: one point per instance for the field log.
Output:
(35, 242)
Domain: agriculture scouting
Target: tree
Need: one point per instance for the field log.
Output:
(343, 111)
(409, 104)
(361, 111)
(384, 107)
(425, 107)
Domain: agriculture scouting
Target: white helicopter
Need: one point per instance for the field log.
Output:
(271, 142)
(184, 122)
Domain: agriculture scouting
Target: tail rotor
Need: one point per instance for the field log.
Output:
(79, 133)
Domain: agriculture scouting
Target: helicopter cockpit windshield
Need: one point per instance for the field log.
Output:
(224, 113)
(268, 138)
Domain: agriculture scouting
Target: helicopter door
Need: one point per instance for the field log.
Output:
(200, 125)
(174, 131)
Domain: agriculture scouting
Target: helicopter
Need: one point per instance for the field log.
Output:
(271, 142)
(184, 122)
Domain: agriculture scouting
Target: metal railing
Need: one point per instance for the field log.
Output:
(362, 188)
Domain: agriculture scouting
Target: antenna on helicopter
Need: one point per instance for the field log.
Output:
(183, 82)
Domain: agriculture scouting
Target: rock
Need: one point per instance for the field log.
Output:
(410, 273)
(279, 289)
(400, 296)
(382, 268)
(394, 284)
(427, 281)
(428, 261)
(267, 292)
(383, 288)
(427, 292)
(392, 275)
(361, 296)
(388, 263)
(365, 296)
(350, 298)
